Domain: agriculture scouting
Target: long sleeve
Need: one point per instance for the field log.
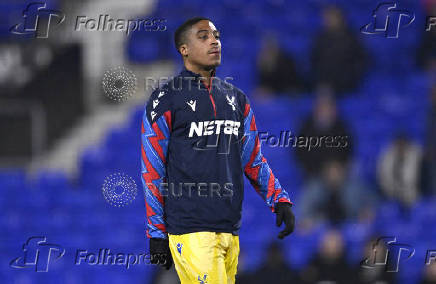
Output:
(155, 134)
(256, 168)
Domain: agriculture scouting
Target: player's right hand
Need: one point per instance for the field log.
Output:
(160, 253)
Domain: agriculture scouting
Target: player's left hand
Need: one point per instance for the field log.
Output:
(160, 253)
(284, 213)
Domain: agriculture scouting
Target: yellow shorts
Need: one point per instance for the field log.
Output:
(205, 257)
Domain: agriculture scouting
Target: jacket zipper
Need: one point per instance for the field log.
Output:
(210, 96)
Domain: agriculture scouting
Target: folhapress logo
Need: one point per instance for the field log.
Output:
(388, 20)
(37, 20)
(38, 253)
(387, 253)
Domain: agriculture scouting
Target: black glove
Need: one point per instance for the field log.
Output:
(284, 213)
(160, 252)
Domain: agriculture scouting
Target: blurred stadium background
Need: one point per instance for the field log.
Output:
(61, 135)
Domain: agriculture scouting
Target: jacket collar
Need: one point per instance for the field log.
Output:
(188, 73)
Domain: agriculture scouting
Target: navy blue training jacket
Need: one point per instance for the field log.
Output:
(197, 144)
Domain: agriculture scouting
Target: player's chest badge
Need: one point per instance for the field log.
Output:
(231, 102)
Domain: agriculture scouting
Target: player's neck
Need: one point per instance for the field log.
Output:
(205, 73)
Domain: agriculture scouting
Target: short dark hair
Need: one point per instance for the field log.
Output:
(180, 34)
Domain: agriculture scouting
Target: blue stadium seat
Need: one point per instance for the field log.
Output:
(144, 47)
(424, 216)
(386, 213)
(304, 246)
(356, 236)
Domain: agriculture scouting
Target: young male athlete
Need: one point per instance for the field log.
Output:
(199, 138)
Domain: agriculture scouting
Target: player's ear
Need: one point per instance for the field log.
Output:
(183, 50)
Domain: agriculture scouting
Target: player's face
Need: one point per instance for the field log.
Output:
(203, 47)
